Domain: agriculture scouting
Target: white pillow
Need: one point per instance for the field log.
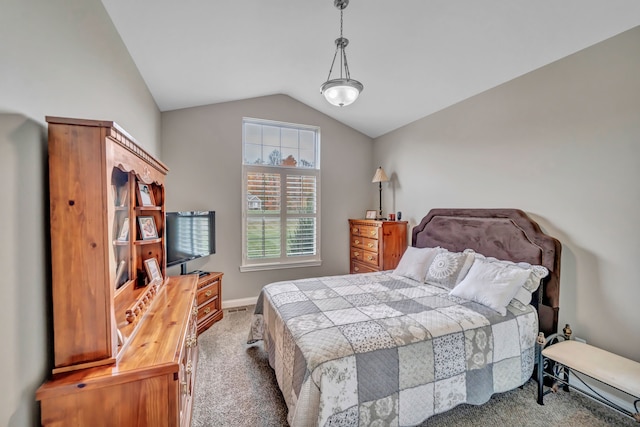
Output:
(491, 284)
(536, 274)
(415, 262)
(448, 268)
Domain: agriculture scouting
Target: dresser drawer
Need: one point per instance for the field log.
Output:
(208, 291)
(364, 243)
(364, 256)
(357, 267)
(209, 309)
(364, 231)
(208, 279)
(209, 300)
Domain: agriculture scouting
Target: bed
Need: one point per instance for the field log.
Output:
(455, 322)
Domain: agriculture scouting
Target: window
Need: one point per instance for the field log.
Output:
(281, 188)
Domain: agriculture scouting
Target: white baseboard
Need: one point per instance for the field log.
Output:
(242, 302)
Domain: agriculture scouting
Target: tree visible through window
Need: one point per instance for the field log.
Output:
(281, 177)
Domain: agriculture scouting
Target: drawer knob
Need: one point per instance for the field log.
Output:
(208, 293)
(370, 258)
(356, 268)
(207, 310)
(192, 341)
(373, 232)
(355, 230)
(370, 245)
(356, 253)
(357, 242)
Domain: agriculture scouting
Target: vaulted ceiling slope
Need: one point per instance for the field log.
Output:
(414, 57)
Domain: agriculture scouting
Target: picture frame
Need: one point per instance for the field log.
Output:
(120, 272)
(153, 270)
(148, 228)
(123, 236)
(371, 214)
(123, 194)
(145, 195)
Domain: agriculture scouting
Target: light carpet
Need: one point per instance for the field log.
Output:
(235, 386)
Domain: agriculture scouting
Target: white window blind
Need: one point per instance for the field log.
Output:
(281, 177)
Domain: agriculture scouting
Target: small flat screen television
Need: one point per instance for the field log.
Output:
(189, 235)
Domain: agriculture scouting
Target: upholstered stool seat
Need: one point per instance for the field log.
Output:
(611, 369)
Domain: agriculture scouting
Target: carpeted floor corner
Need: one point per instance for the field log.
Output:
(235, 387)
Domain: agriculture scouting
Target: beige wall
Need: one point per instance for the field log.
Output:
(203, 148)
(563, 144)
(60, 59)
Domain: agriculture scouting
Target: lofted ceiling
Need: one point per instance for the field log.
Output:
(414, 57)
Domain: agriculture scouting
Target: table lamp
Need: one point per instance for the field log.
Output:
(380, 177)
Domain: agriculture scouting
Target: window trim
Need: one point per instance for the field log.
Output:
(248, 265)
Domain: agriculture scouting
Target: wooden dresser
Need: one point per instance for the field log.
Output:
(124, 334)
(376, 245)
(151, 384)
(209, 300)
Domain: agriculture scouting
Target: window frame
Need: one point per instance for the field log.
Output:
(284, 261)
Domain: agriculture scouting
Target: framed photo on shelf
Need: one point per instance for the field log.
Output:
(145, 194)
(124, 231)
(120, 272)
(148, 228)
(153, 270)
(371, 214)
(123, 194)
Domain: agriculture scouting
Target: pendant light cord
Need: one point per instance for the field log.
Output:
(340, 44)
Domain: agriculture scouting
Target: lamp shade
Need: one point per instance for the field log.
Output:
(380, 176)
(341, 92)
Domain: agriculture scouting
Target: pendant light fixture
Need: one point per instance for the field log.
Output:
(344, 90)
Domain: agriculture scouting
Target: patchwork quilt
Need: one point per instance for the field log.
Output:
(380, 349)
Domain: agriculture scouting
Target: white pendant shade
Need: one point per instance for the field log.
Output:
(344, 90)
(341, 92)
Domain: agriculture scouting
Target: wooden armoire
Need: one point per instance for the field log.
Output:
(124, 335)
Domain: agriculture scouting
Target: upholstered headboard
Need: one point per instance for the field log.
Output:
(507, 234)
